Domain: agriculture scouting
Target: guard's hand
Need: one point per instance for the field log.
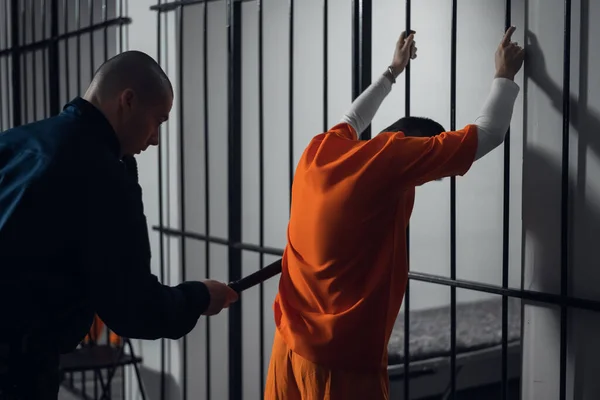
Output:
(406, 50)
(509, 56)
(221, 296)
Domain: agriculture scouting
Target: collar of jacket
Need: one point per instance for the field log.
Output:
(85, 110)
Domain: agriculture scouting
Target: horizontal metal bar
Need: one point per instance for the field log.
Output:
(541, 297)
(46, 42)
(211, 239)
(535, 296)
(173, 5)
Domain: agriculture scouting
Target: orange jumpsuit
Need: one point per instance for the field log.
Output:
(345, 266)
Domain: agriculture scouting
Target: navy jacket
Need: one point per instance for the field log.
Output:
(74, 237)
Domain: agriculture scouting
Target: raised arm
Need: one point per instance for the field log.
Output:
(496, 113)
(364, 108)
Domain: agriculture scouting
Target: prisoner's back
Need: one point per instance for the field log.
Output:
(345, 265)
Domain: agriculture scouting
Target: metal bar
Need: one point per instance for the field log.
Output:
(407, 290)
(44, 61)
(91, 20)
(182, 210)
(453, 206)
(361, 54)
(6, 64)
(78, 45)
(534, 296)
(239, 246)
(105, 31)
(235, 191)
(121, 42)
(16, 64)
(55, 38)
(325, 63)
(66, 26)
(506, 240)
(54, 62)
(564, 212)
(25, 64)
(291, 96)
(104, 11)
(34, 68)
(206, 188)
(261, 198)
(171, 6)
(161, 236)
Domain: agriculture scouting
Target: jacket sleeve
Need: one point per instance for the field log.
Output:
(123, 291)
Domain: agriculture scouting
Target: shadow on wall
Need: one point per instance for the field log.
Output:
(151, 379)
(543, 173)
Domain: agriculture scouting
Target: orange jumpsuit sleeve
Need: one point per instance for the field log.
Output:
(418, 160)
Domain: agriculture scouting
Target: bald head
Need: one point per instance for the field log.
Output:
(131, 70)
(135, 95)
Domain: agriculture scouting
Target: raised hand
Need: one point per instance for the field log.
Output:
(509, 56)
(406, 50)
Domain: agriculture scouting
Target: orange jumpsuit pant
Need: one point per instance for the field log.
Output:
(292, 377)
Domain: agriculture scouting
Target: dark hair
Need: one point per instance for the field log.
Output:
(416, 126)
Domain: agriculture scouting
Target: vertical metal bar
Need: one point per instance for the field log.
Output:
(78, 45)
(105, 30)
(96, 372)
(291, 95)
(121, 44)
(83, 391)
(361, 54)
(207, 186)
(91, 20)
(161, 236)
(44, 60)
(66, 26)
(53, 61)
(5, 23)
(325, 63)
(16, 64)
(506, 240)
(6, 64)
(25, 64)
(407, 290)
(234, 191)
(453, 206)
(104, 58)
(182, 184)
(261, 199)
(34, 68)
(564, 212)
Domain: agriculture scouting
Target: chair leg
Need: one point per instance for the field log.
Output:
(111, 373)
(137, 370)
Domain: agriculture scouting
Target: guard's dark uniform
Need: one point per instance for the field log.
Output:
(74, 242)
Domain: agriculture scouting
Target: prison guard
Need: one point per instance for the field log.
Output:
(345, 264)
(74, 238)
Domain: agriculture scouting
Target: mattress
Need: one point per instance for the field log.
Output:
(478, 326)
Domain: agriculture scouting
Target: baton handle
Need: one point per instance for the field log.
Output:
(257, 277)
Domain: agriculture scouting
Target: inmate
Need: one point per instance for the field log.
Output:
(344, 269)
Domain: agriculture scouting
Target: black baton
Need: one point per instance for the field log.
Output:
(257, 277)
